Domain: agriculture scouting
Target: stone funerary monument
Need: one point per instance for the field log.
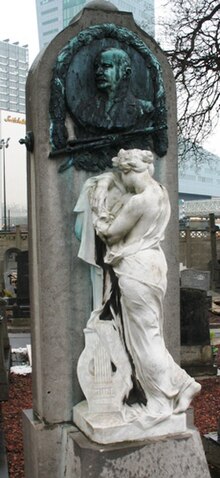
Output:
(109, 398)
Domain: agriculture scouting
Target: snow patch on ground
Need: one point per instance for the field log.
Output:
(19, 350)
(21, 369)
(21, 357)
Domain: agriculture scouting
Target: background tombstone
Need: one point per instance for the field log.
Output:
(60, 283)
(195, 279)
(196, 353)
(194, 317)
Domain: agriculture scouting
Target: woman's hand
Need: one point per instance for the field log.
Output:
(99, 192)
(97, 198)
(101, 227)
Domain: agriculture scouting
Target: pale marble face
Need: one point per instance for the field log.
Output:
(133, 160)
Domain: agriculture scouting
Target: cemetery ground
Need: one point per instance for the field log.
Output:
(206, 409)
(206, 413)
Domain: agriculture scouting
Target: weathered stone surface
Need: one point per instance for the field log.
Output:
(196, 355)
(44, 447)
(194, 317)
(195, 279)
(23, 279)
(5, 354)
(60, 451)
(212, 448)
(165, 457)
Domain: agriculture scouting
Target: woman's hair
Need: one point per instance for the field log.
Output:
(134, 159)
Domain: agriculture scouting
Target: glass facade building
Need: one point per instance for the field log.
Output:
(54, 15)
(13, 73)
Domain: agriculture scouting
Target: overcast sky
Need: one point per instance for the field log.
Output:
(18, 22)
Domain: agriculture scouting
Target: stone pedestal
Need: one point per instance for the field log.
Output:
(179, 456)
(63, 451)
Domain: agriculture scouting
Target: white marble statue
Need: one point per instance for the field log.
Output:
(141, 384)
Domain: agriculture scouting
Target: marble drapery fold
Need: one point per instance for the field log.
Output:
(130, 212)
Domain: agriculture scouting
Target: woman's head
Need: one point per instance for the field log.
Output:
(136, 160)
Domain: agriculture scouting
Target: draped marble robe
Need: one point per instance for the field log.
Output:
(130, 211)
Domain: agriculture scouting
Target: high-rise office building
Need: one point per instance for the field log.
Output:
(13, 73)
(54, 15)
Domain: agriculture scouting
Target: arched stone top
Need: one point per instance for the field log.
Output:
(101, 4)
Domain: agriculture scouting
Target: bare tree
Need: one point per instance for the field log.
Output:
(194, 54)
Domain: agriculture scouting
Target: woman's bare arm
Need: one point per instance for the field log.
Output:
(125, 221)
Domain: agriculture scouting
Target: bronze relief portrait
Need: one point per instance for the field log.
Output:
(110, 85)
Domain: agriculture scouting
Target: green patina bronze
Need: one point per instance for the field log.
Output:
(110, 84)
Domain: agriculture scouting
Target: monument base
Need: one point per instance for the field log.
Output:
(105, 428)
(62, 451)
(44, 447)
(165, 457)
